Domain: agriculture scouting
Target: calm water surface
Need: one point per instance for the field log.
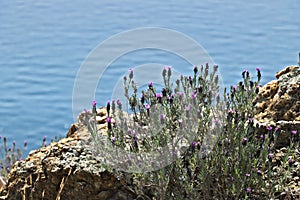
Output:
(43, 43)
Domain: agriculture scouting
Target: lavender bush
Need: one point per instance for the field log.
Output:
(9, 155)
(226, 158)
(188, 140)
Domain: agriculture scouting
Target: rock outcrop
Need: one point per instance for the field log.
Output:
(278, 105)
(65, 170)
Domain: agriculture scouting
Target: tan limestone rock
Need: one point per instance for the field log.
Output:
(278, 104)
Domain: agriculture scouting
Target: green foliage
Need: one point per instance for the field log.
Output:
(237, 166)
(9, 154)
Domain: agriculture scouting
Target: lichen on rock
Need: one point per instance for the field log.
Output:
(278, 104)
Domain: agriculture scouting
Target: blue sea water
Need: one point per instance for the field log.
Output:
(43, 44)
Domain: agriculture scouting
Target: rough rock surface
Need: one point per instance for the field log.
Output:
(65, 170)
(278, 104)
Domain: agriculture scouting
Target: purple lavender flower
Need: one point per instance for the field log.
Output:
(291, 161)
(245, 71)
(181, 77)
(164, 92)
(194, 144)
(164, 72)
(269, 128)
(162, 118)
(132, 132)
(130, 73)
(216, 79)
(251, 84)
(150, 85)
(147, 106)
(216, 68)
(187, 110)
(294, 132)
(188, 107)
(108, 120)
(143, 98)
(245, 140)
(210, 94)
(218, 98)
(172, 98)
(159, 97)
(113, 105)
(262, 136)
(259, 172)
(108, 107)
(247, 175)
(194, 95)
(200, 89)
(251, 120)
(119, 103)
(258, 73)
(180, 122)
(94, 103)
(257, 89)
(180, 94)
(248, 190)
(169, 71)
(113, 140)
(195, 69)
(270, 155)
(190, 80)
(168, 99)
